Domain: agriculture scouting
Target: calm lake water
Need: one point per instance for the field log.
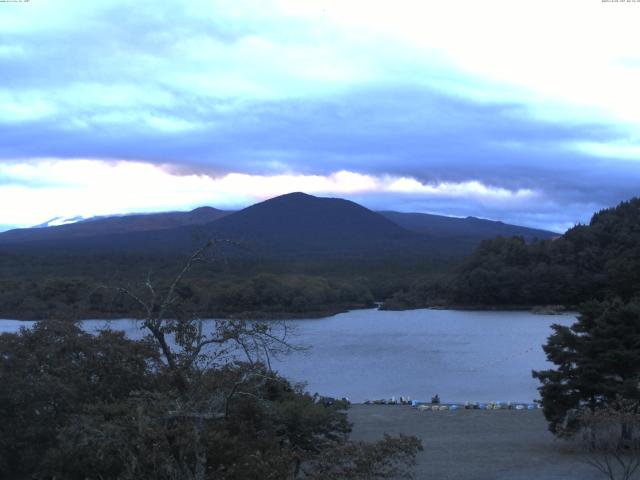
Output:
(371, 354)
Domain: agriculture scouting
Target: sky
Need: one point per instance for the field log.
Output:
(523, 111)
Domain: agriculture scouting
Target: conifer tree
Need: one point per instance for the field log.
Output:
(597, 362)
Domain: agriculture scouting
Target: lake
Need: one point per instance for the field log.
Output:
(371, 354)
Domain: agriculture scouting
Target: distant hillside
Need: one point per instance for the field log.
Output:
(594, 261)
(295, 224)
(113, 225)
(299, 222)
(292, 224)
(470, 227)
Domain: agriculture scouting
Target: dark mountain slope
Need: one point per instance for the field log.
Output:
(295, 224)
(292, 224)
(300, 222)
(471, 227)
(114, 225)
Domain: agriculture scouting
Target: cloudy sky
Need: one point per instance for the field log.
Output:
(524, 111)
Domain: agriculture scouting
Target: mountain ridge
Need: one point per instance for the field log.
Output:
(115, 224)
(440, 225)
(290, 224)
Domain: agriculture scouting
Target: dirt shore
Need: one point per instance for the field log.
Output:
(476, 444)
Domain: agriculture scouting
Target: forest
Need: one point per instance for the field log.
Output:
(597, 261)
(76, 287)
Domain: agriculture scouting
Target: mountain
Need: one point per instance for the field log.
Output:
(298, 221)
(294, 224)
(100, 226)
(291, 224)
(472, 228)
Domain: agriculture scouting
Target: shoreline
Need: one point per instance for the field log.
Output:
(310, 315)
(537, 309)
(250, 315)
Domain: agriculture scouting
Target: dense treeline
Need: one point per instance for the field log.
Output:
(36, 287)
(595, 261)
(259, 295)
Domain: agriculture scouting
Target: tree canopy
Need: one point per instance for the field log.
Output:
(181, 403)
(597, 363)
(596, 261)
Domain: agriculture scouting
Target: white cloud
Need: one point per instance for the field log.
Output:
(624, 151)
(470, 189)
(9, 51)
(548, 54)
(23, 107)
(564, 60)
(43, 189)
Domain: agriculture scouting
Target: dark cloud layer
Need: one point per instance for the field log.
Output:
(402, 132)
(105, 84)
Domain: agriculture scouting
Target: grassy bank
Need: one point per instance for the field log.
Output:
(476, 444)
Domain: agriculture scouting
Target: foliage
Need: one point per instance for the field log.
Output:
(49, 373)
(365, 461)
(597, 361)
(69, 286)
(611, 438)
(186, 402)
(596, 261)
(260, 294)
(429, 291)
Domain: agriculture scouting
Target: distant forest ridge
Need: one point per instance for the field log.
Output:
(306, 256)
(589, 262)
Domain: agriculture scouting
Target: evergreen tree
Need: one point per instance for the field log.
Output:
(597, 362)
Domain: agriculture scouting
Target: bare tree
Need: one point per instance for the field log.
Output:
(190, 348)
(611, 438)
(216, 380)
